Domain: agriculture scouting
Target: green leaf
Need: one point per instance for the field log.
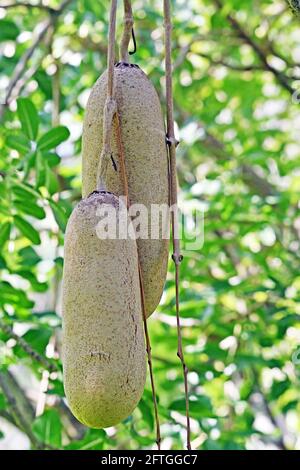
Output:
(144, 441)
(24, 191)
(29, 208)
(29, 256)
(45, 82)
(28, 163)
(14, 296)
(27, 230)
(56, 387)
(54, 137)
(19, 142)
(51, 181)
(4, 208)
(8, 30)
(59, 215)
(278, 389)
(199, 408)
(52, 158)
(3, 402)
(93, 440)
(59, 261)
(28, 117)
(35, 284)
(38, 338)
(147, 414)
(4, 233)
(2, 262)
(48, 428)
(40, 169)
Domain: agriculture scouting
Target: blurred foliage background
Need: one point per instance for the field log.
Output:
(236, 75)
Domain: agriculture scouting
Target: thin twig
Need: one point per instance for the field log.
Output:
(268, 46)
(20, 407)
(268, 410)
(280, 77)
(20, 414)
(8, 417)
(56, 94)
(39, 6)
(28, 74)
(87, 43)
(216, 147)
(63, 6)
(21, 65)
(127, 31)
(149, 355)
(111, 48)
(110, 107)
(237, 67)
(177, 257)
(27, 348)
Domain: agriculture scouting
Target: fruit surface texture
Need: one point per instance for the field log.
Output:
(103, 341)
(146, 160)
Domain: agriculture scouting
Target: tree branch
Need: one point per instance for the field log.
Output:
(250, 177)
(28, 74)
(8, 417)
(256, 182)
(87, 43)
(279, 76)
(268, 411)
(20, 406)
(21, 66)
(27, 348)
(172, 144)
(21, 409)
(39, 6)
(239, 68)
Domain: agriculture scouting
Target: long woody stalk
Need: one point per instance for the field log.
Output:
(172, 143)
(127, 31)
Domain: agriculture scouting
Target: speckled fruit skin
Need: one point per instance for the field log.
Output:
(143, 136)
(104, 358)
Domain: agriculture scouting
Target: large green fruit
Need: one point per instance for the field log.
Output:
(103, 341)
(143, 136)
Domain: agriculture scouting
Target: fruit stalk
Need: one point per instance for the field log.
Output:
(172, 144)
(110, 107)
(127, 31)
